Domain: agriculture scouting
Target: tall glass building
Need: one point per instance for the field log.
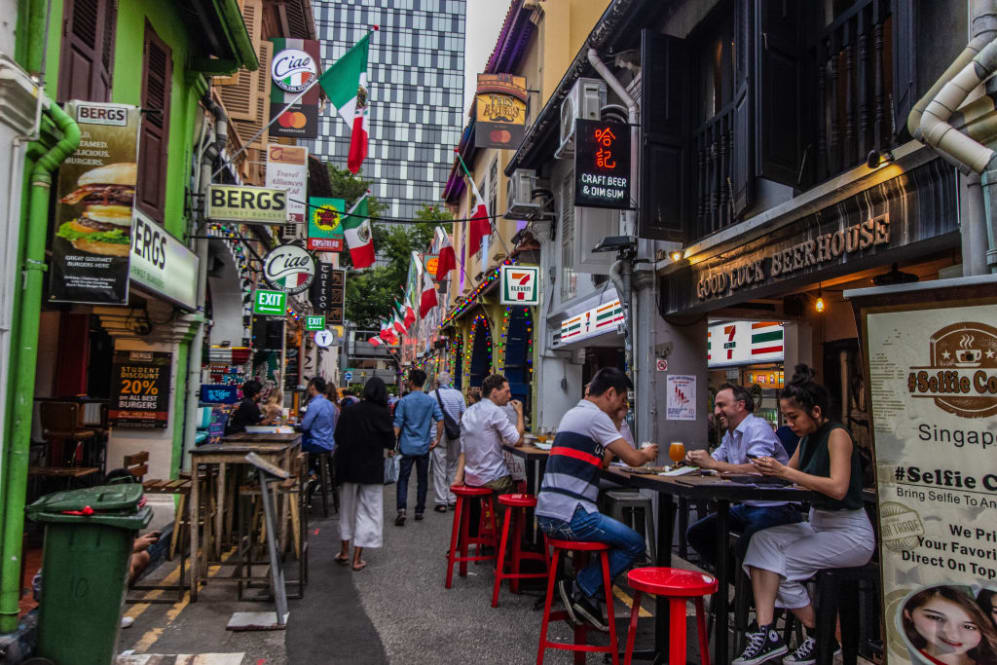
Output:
(416, 79)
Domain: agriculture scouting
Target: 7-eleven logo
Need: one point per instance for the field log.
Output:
(729, 343)
(520, 285)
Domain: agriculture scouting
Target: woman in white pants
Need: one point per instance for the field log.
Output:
(839, 535)
(364, 431)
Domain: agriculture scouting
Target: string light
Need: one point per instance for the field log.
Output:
(472, 297)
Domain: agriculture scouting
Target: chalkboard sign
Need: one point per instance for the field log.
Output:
(141, 384)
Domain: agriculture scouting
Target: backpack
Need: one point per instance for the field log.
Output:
(450, 426)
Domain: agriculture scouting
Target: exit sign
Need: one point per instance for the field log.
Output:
(315, 322)
(269, 303)
(602, 164)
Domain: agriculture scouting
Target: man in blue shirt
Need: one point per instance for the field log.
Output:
(414, 417)
(320, 420)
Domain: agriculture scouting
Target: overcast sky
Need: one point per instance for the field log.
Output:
(484, 20)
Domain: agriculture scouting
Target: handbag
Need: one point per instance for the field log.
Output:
(391, 467)
(450, 426)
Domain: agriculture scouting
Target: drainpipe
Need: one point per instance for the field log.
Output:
(929, 121)
(622, 271)
(27, 356)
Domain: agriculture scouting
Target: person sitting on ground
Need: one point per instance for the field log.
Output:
(782, 558)
(586, 441)
(747, 436)
(248, 411)
(483, 430)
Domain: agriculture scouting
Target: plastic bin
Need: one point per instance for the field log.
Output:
(88, 541)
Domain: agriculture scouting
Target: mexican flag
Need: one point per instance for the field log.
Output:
(375, 341)
(409, 314)
(448, 259)
(359, 235)
(428, 300)
(481, 223)
(345, 83)
(387, 334)
(398, 325)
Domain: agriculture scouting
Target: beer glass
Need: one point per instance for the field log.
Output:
(676, 451)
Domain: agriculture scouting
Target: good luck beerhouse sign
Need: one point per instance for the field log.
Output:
(602, 164)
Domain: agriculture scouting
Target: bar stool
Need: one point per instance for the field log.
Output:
(579, 645)
(678, 586)
(487, 530)
(516, 513)
(619, 500)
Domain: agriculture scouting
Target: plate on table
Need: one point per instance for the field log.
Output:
(542, 446)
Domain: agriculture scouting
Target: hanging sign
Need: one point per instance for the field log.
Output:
(596, 321)
(246, 205)
(520, 285)
(500, 117)
(314, 322)
(141, 384)
(324, 339)
(931, 357)
(602, 164)
(325, 224)
(337, 298)
(162, 264)
(219, 394)
(294, 66)
(289, 268)
(320, 292)
(744, 343)
(95, 197)
(269, 303)
(287, 169)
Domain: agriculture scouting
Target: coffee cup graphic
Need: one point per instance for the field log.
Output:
(966, 355)
(954, 602)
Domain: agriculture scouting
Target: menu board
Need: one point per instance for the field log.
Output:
(933, 384)
(141, 384)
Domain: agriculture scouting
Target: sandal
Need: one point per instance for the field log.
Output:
(341, 560)
(356, 568)
(440, 509)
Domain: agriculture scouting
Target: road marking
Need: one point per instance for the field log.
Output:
(625, 598)
(181, 659)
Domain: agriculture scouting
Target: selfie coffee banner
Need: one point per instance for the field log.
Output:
(933, 384)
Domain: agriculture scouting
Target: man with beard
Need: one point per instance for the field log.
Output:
(745, 436)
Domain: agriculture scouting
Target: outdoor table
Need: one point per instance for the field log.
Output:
(536, 460)
(277, 451)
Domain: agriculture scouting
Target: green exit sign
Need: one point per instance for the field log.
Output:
(269, 303)
(315, 322)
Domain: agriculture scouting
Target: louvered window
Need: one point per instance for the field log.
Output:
(87, 50)
(157, 74)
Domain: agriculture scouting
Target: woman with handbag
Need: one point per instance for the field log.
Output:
(363, 433)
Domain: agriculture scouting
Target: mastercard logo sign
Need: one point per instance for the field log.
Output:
(292, 120)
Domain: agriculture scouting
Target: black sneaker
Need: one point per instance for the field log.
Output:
(418, 517)
(590, 613)
(762, 646)
(400, 520)
(806, 653)
(564, 590)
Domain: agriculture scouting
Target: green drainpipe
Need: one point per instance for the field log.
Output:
(27, 356)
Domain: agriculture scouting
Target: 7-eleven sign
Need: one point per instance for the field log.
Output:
(520, 285)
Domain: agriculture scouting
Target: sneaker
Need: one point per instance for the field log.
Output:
(762, 646)
(806, 653)
(418, 517)
(126, 622)
(564, 590)
(400, 520)
(590, 613)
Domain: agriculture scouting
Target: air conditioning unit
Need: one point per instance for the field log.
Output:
(586, 99)
(289, 231)
(519, 195)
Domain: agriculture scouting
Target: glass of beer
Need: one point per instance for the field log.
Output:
(676, 451)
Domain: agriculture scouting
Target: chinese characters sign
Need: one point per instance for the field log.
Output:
(141, 381)
(602, 164)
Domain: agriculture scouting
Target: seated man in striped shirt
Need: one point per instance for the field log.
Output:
(586, 441)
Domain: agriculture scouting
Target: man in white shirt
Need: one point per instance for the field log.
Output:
(747, 436)
(483, 430)
(444, 456)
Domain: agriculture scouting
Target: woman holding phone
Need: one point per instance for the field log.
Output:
(839, 535)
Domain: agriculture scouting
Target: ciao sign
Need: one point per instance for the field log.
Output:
(292, 70)
(289, 268)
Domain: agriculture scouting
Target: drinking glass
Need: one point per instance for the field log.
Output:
(676, 451)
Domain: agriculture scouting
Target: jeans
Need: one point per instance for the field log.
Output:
(627, 545)
(747, 520)
(422, 476)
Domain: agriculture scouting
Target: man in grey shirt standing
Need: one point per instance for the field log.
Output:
(444, 456)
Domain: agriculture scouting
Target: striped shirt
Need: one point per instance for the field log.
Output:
(453, 402)
(572, 475)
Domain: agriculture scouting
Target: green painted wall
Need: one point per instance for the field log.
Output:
(179, 408)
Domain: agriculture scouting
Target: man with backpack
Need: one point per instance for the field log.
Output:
(444, 456)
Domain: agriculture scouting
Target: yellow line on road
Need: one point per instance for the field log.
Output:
(625, 598)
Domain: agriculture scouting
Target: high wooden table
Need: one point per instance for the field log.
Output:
(277, 449)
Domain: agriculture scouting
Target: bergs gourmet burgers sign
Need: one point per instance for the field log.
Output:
(289, 268)
(93, 214)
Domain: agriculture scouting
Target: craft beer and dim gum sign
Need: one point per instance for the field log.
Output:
(933, 384)
(602, 164)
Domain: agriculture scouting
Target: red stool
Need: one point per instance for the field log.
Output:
(678, 586)
(579, 646)
(516, 513)
(487, 531)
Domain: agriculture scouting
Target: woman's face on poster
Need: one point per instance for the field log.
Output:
(947, 627)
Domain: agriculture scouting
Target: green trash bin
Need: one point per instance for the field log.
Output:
(88, 540)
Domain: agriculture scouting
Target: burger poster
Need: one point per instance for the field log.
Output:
(933, 382)
(93, 214)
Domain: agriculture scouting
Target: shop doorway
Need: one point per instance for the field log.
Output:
(518, 358)
(458, 365)
(598, 357)
(481, 351)
(844, 378)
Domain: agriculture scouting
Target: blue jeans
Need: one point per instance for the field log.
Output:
(422, 479)
(747, 520)
(626, 544)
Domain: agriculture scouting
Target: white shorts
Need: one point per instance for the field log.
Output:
(831, 539)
